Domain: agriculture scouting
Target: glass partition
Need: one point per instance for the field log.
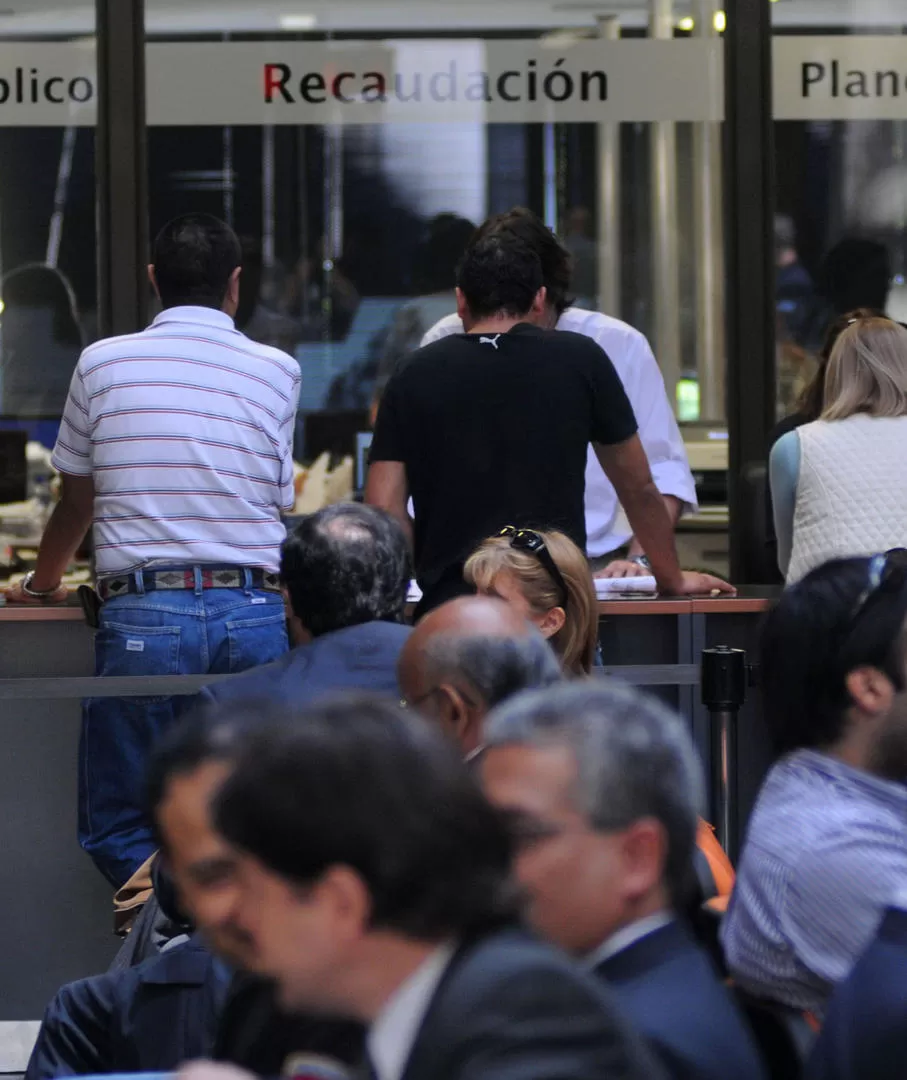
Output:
(354, 154)
(48, 266)
(841, 136)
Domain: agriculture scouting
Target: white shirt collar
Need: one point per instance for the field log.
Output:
(191, 313)
(627, 936)
(393, 1034)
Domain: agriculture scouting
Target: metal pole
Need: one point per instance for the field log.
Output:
(549, 165)
(609, 278)
(724, 773)
(750, 208)
(665, 245)
(708, 244)
(723, 694)
(122, 179)
(61, 195)
(229, 184)
(268, 213)
(333, 217)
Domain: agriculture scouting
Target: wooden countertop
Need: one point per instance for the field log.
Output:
(750, 601)
(33, 613)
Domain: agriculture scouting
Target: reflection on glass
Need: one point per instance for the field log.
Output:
(48, 286)
(841, 229)
(40, 341)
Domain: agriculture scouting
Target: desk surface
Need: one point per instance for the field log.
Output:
(30, 613)
(749, 601)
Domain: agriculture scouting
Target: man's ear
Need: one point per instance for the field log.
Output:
(344, 900)
(540, 304)
(152, 277)
(870, 690)
(463, 310)
(233, 287)
(644, 848)
(454, 714)
(464, 720)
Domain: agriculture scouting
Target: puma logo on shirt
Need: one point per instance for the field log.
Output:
(490, 340)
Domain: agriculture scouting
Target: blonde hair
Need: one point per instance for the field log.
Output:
(867, 371)
(576, 641)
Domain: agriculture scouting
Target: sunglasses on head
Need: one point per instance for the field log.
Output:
(531, 541)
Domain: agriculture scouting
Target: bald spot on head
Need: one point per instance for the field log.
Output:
(467, 616)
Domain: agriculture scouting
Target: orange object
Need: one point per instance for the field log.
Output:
(719, 863)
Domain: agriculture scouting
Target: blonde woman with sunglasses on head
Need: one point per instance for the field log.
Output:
(839, 484)
(546, 577)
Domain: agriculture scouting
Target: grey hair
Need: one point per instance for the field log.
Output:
(497, 667)
(634, 759)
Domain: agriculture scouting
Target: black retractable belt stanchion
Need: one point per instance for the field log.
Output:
(723, 694)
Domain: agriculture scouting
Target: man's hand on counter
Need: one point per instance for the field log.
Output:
(16, 594)
(623, 568)
(695, 584)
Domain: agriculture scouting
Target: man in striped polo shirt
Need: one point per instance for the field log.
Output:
(176, 443)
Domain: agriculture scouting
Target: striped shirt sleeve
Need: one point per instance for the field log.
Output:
(287, 473)
(72, 454)
(837, 896)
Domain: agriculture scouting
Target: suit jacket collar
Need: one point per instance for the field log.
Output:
(423, 1059)
(647, 953)
(394, 1033)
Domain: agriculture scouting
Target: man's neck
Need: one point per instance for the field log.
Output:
(630, 931)
(854, 748)
(653, 903)
(388, 964)
(496, 325)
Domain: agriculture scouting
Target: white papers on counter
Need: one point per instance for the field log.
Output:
(608, 588)
(605, 588)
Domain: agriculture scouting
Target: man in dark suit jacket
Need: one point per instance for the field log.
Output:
(602, 786)
(865, 1032)
(346, 571)
(149, 1018)
(374, 883)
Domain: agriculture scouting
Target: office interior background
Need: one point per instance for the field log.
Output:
(698, 196)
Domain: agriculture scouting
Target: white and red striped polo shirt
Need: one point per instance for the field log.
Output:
(187, 430)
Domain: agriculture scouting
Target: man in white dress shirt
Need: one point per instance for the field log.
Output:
(629, 351)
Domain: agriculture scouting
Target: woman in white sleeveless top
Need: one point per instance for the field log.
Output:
(839, 484)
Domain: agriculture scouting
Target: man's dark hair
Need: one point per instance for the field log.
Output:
(345, 565)
(204, 736)
(556, 260)
(856, 273)
(194, 256)
(499, 275)
(359, 782)
(815, 638)
(496, 667)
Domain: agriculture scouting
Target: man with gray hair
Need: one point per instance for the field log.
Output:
(468, 656)
(602, 785)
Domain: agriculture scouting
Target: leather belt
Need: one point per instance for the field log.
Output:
(227, 577)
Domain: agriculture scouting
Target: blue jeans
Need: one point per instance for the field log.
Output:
(170, 632)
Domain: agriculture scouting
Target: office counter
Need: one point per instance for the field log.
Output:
(55, 909)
